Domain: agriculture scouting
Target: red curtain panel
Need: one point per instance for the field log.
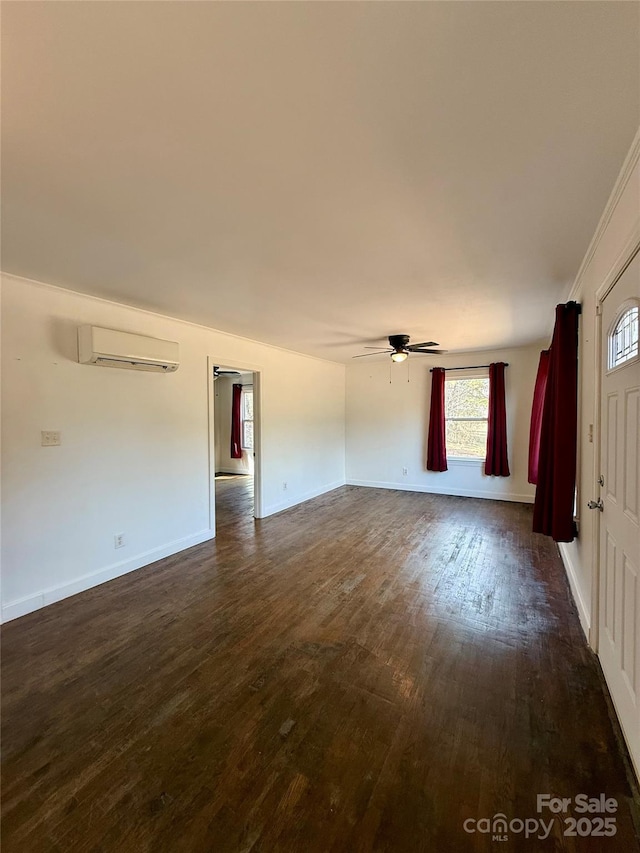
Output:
(497, 463)
(555, 491)
(236, 422)
(437, 444)
(536, 415)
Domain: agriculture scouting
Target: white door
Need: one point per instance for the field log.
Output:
(619, 616)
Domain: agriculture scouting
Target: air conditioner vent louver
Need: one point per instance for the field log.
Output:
(131, 365)
(110, 348)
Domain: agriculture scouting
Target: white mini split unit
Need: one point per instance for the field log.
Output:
(109, 348)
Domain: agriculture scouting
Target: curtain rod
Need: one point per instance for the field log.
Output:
(472, 367)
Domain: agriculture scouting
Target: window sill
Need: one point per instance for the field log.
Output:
(465, 460)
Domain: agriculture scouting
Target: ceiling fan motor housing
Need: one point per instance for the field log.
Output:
(399, 342)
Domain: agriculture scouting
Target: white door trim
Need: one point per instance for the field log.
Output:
(258, 499)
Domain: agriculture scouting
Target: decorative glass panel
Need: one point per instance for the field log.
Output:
(623, 342)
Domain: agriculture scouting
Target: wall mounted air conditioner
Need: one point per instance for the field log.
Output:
(110, 348)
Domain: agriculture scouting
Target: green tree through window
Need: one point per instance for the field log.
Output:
(466, 402)
(247, 418)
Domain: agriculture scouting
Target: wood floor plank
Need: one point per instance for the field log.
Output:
(360, 673)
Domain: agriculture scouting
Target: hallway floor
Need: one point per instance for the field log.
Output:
(234, 502)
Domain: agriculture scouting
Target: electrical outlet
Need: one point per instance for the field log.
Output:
(284, 487)
(118, 540)
(405, 471)
(50, 438)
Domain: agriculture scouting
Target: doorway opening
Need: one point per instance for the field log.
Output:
(234, 451)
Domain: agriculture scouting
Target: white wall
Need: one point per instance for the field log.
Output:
(387, 426)
(135, 446)
(617, 233)
(223, 388)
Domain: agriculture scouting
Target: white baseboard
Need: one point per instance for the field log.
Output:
(272, 509)
(22, 606)
(572, 574)
(434, 490)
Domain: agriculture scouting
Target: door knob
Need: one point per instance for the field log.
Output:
(596, 505)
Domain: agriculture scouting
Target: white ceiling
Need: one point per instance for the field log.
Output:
(317, 175)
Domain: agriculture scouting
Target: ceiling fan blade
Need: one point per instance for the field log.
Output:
(424, 344)
(428, 351)
(380, 349)
(368, 354)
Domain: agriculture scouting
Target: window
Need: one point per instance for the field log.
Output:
(247, 418)
(623, 341)
(466, 407)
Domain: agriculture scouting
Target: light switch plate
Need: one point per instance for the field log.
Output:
(50, 438)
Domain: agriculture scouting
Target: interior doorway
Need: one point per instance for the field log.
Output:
(234, 445)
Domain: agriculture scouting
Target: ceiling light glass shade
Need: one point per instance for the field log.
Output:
(398, 356)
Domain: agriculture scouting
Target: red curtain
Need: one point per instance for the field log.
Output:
(236, 422)
(536, 415)
(497, 463)
(437, 444)
(553, 508)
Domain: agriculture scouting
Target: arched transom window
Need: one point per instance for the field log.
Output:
(623, 340)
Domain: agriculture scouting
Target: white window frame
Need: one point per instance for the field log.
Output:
(477, 373)
(624, 309)
(246, 389)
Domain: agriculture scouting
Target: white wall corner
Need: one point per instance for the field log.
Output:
(574, 584)
(626, 171)
(272, 509)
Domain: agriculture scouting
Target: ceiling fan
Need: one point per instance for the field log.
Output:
(399, 347)
(217, 372)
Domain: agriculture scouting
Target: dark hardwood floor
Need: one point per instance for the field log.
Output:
(363, 672)
(234, 504)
